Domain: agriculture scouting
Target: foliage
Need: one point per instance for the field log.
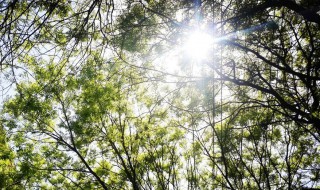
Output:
(93, 107)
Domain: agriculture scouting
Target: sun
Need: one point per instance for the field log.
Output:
(194, 48)
(198, 45)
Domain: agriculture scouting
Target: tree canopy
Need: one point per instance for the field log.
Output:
(160, 94)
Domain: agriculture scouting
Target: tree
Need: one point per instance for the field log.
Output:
(96, 109)
(87, 133)
(9, 178)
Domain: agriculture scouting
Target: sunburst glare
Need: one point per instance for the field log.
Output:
(198, 44)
